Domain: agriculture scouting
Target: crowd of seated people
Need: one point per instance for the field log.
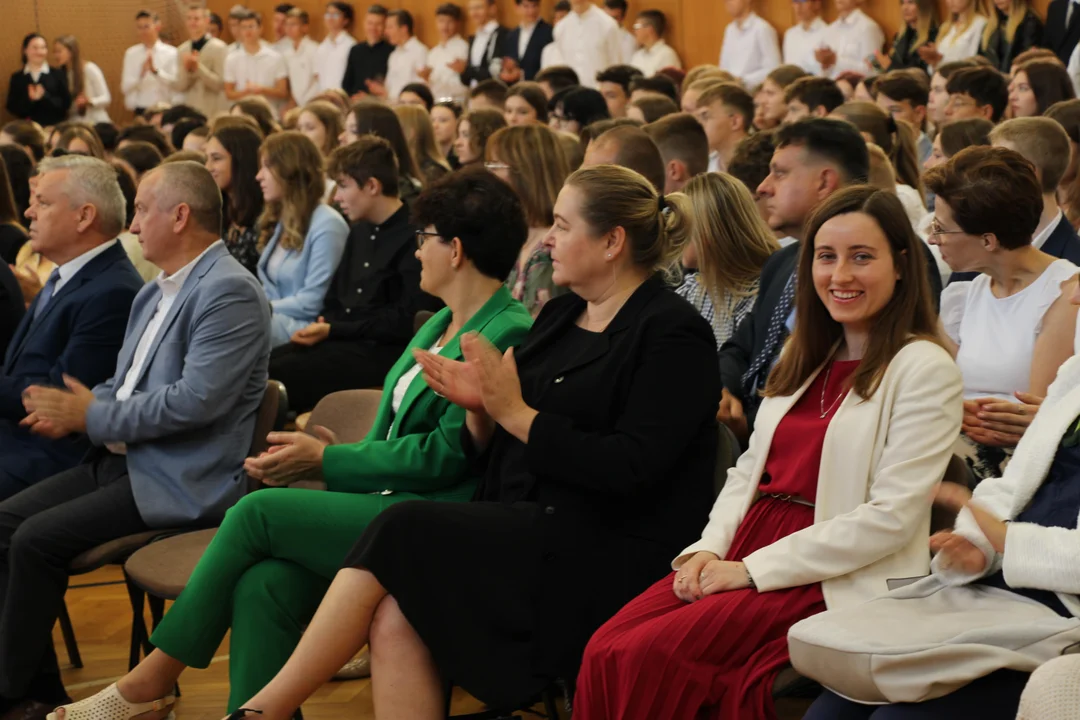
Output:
(864, 261)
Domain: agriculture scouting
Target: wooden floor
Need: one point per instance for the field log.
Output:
(101, 616)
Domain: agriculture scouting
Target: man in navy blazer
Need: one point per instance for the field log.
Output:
(526, 53)
(1062, 31)
(485, 46)
(1045, 145)
(171, 427)
(77, 326)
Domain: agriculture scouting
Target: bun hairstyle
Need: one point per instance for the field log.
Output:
(614, 196)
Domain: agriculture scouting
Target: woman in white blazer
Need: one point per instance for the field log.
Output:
(831, 499)
(1017, 533)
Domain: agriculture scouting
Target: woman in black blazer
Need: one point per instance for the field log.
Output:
(597, 465)
(38, 92)
(1013, 28)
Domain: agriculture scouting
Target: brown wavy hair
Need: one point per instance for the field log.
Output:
(297, 166)
(538, 168)
(908, 315)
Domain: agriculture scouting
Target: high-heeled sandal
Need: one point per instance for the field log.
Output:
(109, 704)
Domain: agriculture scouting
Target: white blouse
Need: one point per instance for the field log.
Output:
(97, 93)
(956, 45)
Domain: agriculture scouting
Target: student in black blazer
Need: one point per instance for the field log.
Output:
(1059, 35)
(12, 306)
(1029, 33)
(596, 465)
(524, 65)
(36, 91)
(483, 15)
(813, 159)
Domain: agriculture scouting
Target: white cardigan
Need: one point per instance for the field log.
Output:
(1038, 557)
(880, 464)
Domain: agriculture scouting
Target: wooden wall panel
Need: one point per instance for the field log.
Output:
(106, 27)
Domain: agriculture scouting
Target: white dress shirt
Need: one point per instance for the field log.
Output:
(143, 90)
(403, 67)
(480, 43)
(629, 45)
(444, 82)
(300, 62)
(525, 33)
(332, 59)
(750, 51)
(800, 44)
(588, 43)
(854, 39)
(551, 56)
(282, 45)
(1040, 239)
(1074, 75)
(264, 68)
(652, 60)
(69, 269)
(97, 95)
(955, 45)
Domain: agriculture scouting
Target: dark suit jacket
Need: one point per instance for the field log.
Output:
(78, 333)
(494, 49)
(12, 306)
(50, 109)
(1029, 34)
(904, 52)
(530, 61)
(1058, 36)
(749, 338)
(619, 462)
(1062, 243)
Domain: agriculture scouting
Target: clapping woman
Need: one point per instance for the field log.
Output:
(36, 91)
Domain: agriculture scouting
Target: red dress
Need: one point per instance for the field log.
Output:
(660, 657)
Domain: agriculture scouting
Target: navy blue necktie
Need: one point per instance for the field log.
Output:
(755, 376)
(46, 292)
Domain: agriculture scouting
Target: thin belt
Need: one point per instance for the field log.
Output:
(787, 498)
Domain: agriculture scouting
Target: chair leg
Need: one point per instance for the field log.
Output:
(139, 636)
(68, 632)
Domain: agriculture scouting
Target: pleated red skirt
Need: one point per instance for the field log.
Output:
(660, 657)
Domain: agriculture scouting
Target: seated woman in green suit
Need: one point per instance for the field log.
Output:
(277, 551)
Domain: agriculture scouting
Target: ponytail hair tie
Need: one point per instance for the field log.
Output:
(662, 205)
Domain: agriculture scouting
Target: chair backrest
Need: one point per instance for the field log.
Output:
(421, 317)
(349, 413)
(727, 453)
(266, 419)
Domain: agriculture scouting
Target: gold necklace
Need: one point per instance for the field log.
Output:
(824, 412)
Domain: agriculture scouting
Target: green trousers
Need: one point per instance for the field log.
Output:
(264, 575)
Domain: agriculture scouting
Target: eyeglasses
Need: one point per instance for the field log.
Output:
(493, 166)
(423, 235)
(936, 229)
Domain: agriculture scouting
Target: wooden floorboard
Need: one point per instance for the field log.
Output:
(101, 616)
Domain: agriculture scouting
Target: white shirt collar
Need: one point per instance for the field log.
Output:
(660, 45)
(45, 68)
(1039, 240)
(489, 27)
(69, 269)
(748, 22)
(853, 17)
(171, 284)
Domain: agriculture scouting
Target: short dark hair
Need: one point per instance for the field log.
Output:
(559, 77)
(483, 212)
(422, 91)
(835, 141)
(562, 6)
(900, 85)
(621, 75)
(815, 92)
(452, 105)
(215, 19)
(149, 134)
(179, 112)
(585, 105)
(140, 155)
(784, 75)
(733, 97)
(369, 157)
(654, 106)
(594, 130)
(450, 10)
(492, 89)
(109, 134)
(947, 70)
(146, 14)
(753, 155)
(990, 190)
(655, 19)
(283, 8)
(660, 84)
(377, 9)
(637, 151)
(681, 137)
(183, 128)
(985, 85)
(616, 4)
(403, 17)
(346, 10)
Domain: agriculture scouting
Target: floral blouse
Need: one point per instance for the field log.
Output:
(724, 319)
(530, 282)
(243, 243)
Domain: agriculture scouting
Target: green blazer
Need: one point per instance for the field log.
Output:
(418, 450)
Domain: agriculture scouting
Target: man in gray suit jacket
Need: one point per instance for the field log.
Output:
(172, 426)
(200, 67)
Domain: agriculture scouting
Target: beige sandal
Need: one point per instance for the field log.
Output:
(109, 704)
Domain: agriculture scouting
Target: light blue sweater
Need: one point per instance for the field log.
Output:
(297, 285)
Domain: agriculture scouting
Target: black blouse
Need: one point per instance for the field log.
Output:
(51, 109)
(904, 52)
(1000, 52)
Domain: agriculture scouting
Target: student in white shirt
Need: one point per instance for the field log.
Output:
(802, 39)
(627, 40)
(410, 56)
(90, 95)
(451, 49)
(333, 54)
(149, 68)
(751, 48)
(851, 41)
(256, 70)
(551, 56)
(281, 39)
(299, 57)
(960, 36)
(726, 111)
(588, 41)
(654, 54)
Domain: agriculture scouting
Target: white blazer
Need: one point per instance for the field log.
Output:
(1038, 557)
(880, 464)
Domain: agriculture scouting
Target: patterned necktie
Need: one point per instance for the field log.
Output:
(754, 378)
(46, 292)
